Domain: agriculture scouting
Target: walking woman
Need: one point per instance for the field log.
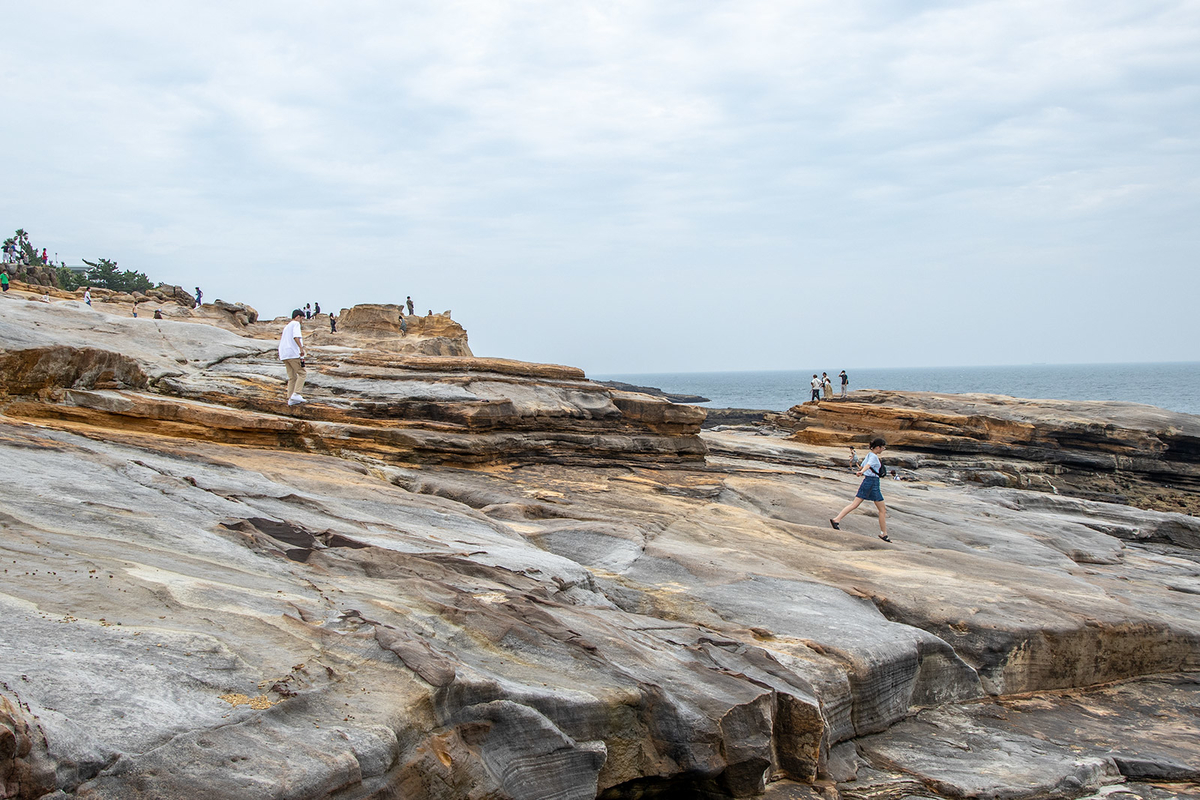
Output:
(869, 490)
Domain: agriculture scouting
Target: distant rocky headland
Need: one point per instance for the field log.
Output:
(455, 577)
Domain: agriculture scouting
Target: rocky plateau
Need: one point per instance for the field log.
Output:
(457, 577)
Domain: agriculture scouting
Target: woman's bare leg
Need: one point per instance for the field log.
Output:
(882, 516)
(842, 514)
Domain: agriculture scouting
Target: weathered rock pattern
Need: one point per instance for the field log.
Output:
(1100, 450)
(209, 595)
(378, 326)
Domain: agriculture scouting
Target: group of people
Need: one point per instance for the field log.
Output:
(823, 385)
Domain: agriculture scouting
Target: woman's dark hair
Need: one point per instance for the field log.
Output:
(878, 442)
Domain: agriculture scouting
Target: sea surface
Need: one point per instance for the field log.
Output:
(1173, 386)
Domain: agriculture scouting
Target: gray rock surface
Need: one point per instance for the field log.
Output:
(207, 595)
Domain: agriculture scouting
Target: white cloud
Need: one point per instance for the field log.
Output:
(630, 173)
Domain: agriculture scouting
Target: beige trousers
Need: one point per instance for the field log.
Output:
(295, 375)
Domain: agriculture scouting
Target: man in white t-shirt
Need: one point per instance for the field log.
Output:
(291, 353)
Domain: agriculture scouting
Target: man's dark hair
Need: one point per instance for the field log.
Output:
(297, 313)
(878, 442)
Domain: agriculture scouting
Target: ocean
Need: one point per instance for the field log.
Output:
(1173, 386)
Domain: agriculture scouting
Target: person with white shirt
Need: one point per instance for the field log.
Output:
(815, 383)
(871, 469)
(291, 353)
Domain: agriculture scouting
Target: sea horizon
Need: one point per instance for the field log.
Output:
(1171, 385)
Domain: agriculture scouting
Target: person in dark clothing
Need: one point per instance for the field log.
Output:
(410, 305)
(316, 309)
(332, 324)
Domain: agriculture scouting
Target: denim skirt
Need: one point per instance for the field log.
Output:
(869, 490)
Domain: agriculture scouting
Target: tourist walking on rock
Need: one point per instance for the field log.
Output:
(871, 470)
(826, 386)
(291, 353)
(332, 323)
(845, 382)
(815, 383)
(199, 297)
(4, 281)
(410, 305)
(87, 295)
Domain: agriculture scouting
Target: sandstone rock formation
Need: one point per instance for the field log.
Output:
(474, 578)
(378, 325)
(1100, 450)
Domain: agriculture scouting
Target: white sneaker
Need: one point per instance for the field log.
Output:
(296, 400)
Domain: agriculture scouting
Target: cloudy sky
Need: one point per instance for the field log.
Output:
(638, 186)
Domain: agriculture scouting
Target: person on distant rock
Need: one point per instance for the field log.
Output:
(316, 309)
(158, 313)
(199, 297)
(135, 309)
(291, 353)
(871, 469)
(826, 386)
(332, 323)
(845, 382)
(403, 326)
(853, 460)
(4, 281)
(308, 310)
(409, 302)
(87, 295)
(815, 383)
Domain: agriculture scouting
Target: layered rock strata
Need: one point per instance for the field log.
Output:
(208, 595)
(1124, 452)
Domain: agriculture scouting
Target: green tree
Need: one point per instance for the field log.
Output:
(69, 279)
(103, 273)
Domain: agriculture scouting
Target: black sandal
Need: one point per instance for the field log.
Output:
(836, 527)
(884, 536)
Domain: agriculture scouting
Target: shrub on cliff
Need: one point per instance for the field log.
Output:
(103, 274)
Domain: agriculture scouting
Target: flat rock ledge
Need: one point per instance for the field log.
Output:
(1119, 452)
(469, 578)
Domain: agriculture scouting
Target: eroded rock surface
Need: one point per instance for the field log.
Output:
(476, 578)
(1122, 452)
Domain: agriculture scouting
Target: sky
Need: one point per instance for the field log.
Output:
(650, 186)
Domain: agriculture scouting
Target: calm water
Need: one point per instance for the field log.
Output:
(1174, 386)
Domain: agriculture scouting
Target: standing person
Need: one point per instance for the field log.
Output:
(135, 309)
(332, 323)
(871, 469)
(815, 383)
(87, 295)
(199, 297)
(826, 386)
(291, 353)
(4, 281)
(411, 307)
(845, 382)
(308, 310)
